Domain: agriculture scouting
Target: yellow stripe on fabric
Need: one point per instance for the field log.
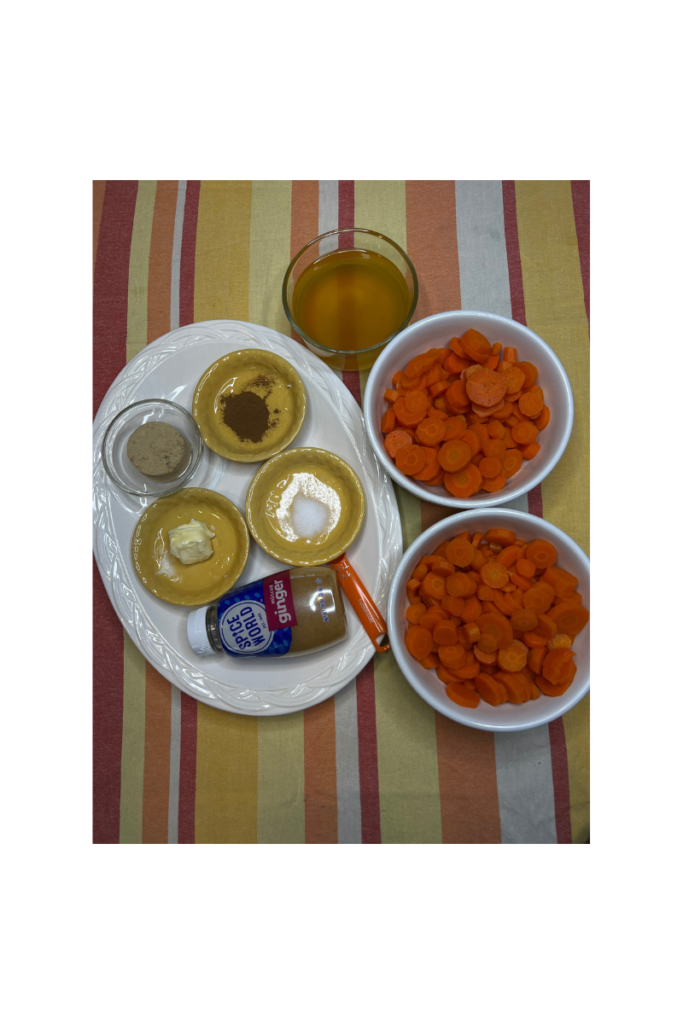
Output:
(281, 811)
(138, 268)
(410, 807)
(577, 736)
(271, 226)
(221, 274)
(132, 743)
(227, 777)
(553, 296)
(409, 511)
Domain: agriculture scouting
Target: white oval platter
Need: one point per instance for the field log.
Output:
(170, 368)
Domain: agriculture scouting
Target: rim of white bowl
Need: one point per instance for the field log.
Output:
(564, 703)
(500, 497)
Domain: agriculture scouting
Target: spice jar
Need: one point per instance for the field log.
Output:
(293, 612)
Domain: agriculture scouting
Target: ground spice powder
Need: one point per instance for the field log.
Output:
(247, 413)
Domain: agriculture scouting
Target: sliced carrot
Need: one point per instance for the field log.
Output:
(455, 346)
(510, 355)
(497, 626)
(413, 383)
(454, 455)
(455, 428)
(437, 414)
(492, 362)
(388, 421)
(549, 690)
(431, 661)
(472, 441)
(542, 553)
(513, 657)
(436, 374)
(486, 387)
(413, 585)
(415, 612)
(390, 395)
(471, 611)
(439, 388)
(514, 378)
(464, 483)
(490, 467)
(469, 670)
(453, 605)
(530, 451)
(569, 617)
(504, 412)
(535, 659)
(452, 656)
(462, 695)
(411, 459)
(546, 628)
(563, 583)
(410, 416)
(418, 642)
(543, 418)
(484, 657)
(558, 666)
(442, 566)
(524, 433)
(489, 689)
(421, 363)
(460, 552)
(512, 462)
(478, 537)
(524, 619)
(530, 373)
(460, 585)
(437, 480)
(519, 581)
(396, 440)
(470, 630)
(430, 432)
(433, 585)
(531, 404)
(508, 556)
(456, 395)
(561, 640)
(533, 640)
(539, 597)
(496, 430)
(431, 466)
(454, 365)
(420, 571)
(445, 633)
(475, 345)
(518, 690)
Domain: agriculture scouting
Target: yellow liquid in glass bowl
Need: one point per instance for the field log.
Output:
(350, 300)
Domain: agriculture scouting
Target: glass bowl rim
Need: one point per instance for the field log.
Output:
(182, 478)
(343, 351)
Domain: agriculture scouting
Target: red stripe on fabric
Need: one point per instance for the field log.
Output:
(371, 831)
(514, 259)
(345, 220)
(581, 199)
(107, 714)
(187, 253)
(560, 767)
(535, 499)
(110, 289)
(188, 768)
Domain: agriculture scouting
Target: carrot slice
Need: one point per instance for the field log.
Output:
(433, 585)
(512, 462)
(524, 619)
(485, 387)
(454, 455)
(514, 380)
(411, 459)
(531, 404)
(563, 583)
(542, 553)
(533, 640)
(472, 441)
(431, 661)
(489, 690)
(569, 617)
(445, 633)
(530, 373)
(558, 666)
(388, 421)
(549, 690)
(411, 416)
(430, 432)
(518, 690)
(530, 451)
(464, 483)
(462, 695)
(510, 354)
(460, 585)
(460, 552)
(535, 660)
(546, 628)
(513, 658)
(475, 345)
(539, 597)
(524, 433)
(455, 346)
(396, 440)
(452, 656)
(494, 575)
(431, 466)
(456, 396)
(418, 642)
(543, 418)
(455, 428)
(471, 613)
(508, 556)
(490, 467)
(497, 626)
(415, 612)
(421, 363)
(561, 640)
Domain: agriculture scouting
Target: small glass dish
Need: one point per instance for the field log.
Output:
(348, 305)
(115, 459)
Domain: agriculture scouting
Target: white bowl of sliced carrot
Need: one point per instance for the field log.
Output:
(467, 409)
(488, 619)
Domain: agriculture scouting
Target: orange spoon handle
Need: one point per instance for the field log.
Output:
(361, 602)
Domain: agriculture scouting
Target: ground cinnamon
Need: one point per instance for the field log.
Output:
(247, 413)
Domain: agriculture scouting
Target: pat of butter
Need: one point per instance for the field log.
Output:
(191, 542)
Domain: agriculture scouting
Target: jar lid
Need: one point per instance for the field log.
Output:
(197, 633)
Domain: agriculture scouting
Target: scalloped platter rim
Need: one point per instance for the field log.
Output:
(170, 368)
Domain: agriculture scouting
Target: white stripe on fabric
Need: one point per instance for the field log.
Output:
(175, 258)
(526, 797)
(328, 213)
(174, 766)
(482, 252)
(348, 778)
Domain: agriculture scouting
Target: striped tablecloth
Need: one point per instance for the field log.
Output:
(374, 764)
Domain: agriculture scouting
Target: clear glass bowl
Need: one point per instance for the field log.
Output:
(343, 239)
(115, 459)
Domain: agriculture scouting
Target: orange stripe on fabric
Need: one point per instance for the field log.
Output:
(467, 783)
(320, 773)
(160, 254)
(157, 757)
(432, 240)
(226, 797)
(304, 214)
(98, 189)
